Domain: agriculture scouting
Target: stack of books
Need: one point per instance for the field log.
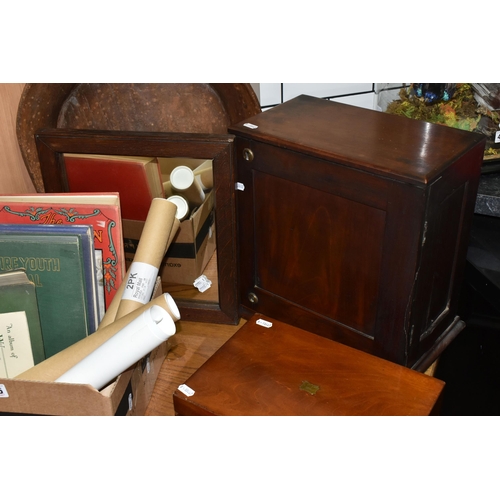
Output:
(61, 263)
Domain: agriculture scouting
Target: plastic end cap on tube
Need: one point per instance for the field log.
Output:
(163, 323)
(172, 307)
(182, 206)
(181, 177)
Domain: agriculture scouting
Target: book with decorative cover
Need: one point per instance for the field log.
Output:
(101, 210)
(21, 341)
(60, 261)
(136, 178)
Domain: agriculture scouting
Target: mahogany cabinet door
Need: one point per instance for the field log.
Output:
(328, 248)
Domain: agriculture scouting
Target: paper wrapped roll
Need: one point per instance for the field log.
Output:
(135, 290)
(184, 181)
(122, 350)
(53, 367)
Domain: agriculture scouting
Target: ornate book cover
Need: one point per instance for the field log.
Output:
(58, 265)
(100, 210)
(21, 341)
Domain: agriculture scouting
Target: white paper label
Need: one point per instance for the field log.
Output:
(250, 125)
(186, 390)
(239, 186)
(497, 136)
(264, 323)
(202, 283)
(3, 392)
(16, 355)
(140, 282)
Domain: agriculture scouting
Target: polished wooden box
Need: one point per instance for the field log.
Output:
(283, 370)
(353, 224)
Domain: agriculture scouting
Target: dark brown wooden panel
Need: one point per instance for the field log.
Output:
(319, 251)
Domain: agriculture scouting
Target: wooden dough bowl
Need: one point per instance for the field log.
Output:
(152, 107)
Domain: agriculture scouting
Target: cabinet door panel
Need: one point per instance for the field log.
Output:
(318, 250)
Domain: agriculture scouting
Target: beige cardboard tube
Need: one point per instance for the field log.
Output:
(159, 230)
(167, 189)
(184, 181)
(53, 367)
(205, 176)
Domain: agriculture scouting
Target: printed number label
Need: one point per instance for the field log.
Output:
(3, 392)
(264, 323)
(186, 390)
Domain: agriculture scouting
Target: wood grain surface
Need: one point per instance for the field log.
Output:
(190, 347)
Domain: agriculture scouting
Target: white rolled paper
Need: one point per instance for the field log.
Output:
(122, 350)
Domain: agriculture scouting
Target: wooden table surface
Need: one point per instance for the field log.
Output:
(190, 347)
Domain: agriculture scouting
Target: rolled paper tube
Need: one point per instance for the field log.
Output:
(183, 181)
(146, 332)
(205, 176)
(112, 310)
(53, 367)
(182, 206)
(136, 288)
(167, 189)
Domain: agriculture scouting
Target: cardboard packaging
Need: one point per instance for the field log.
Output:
(192, 247)
(127, 395)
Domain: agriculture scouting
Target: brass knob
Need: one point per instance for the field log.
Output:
(248, 154)
(253, 298)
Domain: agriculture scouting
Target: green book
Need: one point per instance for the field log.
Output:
(56, 265)
(21, 341)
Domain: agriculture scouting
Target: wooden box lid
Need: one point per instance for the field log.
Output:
(283, 370)
(391, 146)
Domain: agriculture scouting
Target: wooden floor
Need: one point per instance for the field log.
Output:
(190, 347)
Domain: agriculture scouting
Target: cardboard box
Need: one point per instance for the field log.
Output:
(127, 395)
(191, 249)
(27, 397)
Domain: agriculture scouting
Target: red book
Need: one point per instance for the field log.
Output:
(136, 178)
(99, 210)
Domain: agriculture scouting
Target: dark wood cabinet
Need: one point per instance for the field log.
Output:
(353, 224)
